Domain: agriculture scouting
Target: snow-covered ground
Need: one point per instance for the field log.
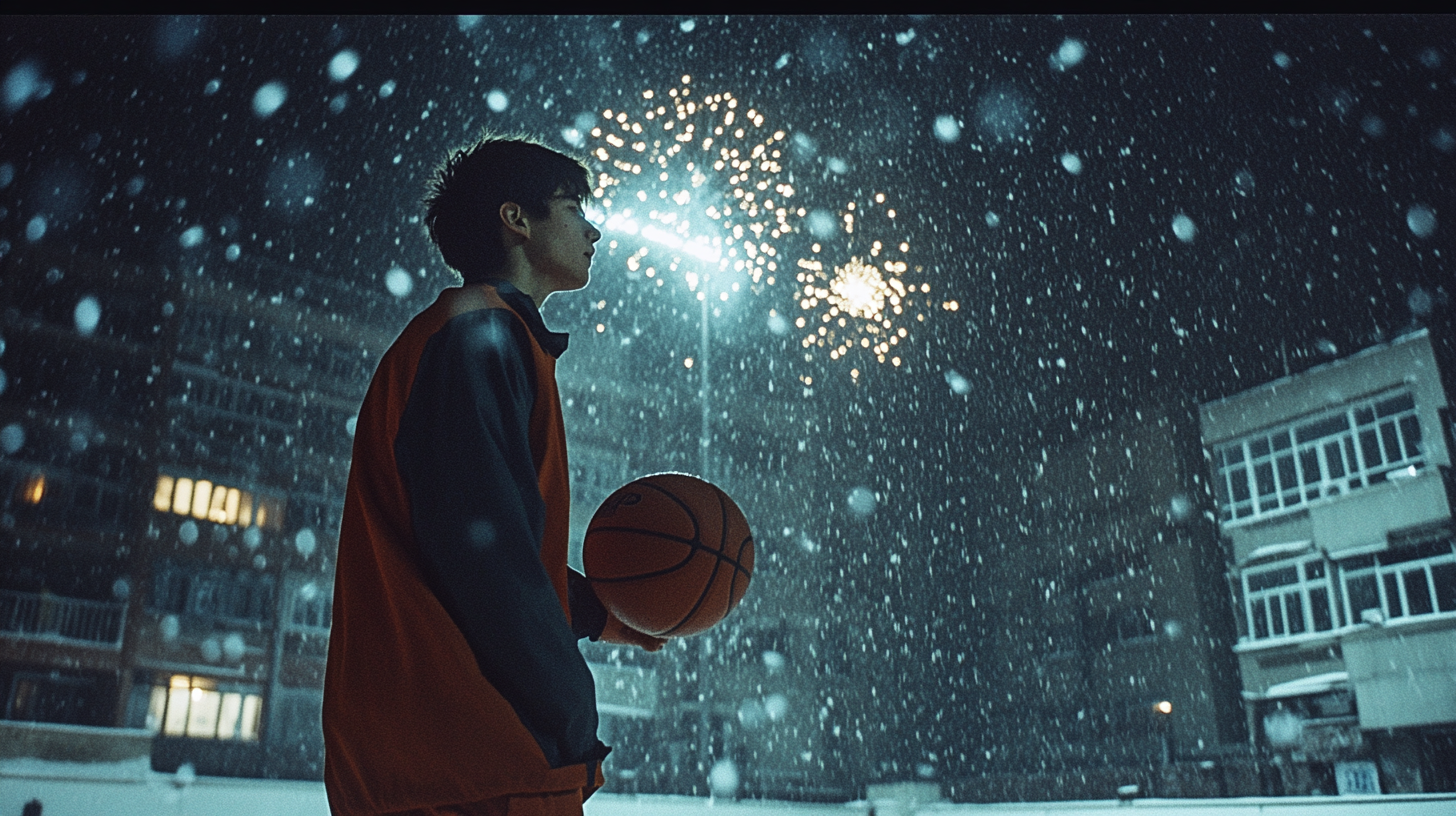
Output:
(131, 789)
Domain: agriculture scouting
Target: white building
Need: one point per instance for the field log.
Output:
(1333, 488)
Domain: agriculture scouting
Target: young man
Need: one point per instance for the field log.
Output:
(454, 682)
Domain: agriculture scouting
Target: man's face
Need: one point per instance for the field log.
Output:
(561, 245)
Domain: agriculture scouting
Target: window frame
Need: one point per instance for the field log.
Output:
(313, 614)
(173, 709)
(1272, 472)
(1303, 586)
(210, 593)
(1389, 569)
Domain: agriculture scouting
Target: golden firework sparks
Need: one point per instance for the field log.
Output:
(860, 305)
(693, 183)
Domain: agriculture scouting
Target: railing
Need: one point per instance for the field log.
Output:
(43, 616)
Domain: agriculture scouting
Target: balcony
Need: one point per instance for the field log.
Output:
(56, 619)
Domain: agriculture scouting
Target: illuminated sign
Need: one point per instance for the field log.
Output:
(209, 501)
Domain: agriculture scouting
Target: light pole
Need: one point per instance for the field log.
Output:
(705, 433)
(684, 248)
(705, 472)
(625, 225)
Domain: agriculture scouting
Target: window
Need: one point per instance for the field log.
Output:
(1287, 599)
(1335, 704)
(206, 500)
(239, 595)
(61, 496)
(201, 708)
(1127, 623)
(34, 489)
(1401, 583)
(312, 607)
(1361, 444)
(59, 697)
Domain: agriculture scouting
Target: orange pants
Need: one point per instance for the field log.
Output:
(557, 803)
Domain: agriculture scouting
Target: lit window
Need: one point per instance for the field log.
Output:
(201, 492)
(197, 707)
(34, 489)
(221, 504)
(182, 499)
(163, 499)
(230, 506)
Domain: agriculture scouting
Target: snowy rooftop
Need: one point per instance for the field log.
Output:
(1350, 359)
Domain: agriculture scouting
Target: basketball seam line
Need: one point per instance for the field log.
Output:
(717, 565)
(696, 545)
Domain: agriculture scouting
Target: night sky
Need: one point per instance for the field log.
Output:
(123, 133)
(1125, 212)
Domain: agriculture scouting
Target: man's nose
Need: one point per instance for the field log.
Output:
(593, 234)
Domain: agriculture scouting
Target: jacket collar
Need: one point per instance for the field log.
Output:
(553, 343)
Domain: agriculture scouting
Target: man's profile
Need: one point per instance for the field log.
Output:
(454, 683)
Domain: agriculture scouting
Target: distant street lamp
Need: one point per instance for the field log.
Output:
(691, 182)
(1163, 716)
(710, 257)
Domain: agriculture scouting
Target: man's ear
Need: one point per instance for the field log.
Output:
(515, 220)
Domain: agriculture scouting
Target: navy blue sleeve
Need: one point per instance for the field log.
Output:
(464, 455)
(588, 615)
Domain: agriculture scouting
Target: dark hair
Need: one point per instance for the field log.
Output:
(466, 191)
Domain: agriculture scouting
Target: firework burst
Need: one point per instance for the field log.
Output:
(694, 183)
(859, 305)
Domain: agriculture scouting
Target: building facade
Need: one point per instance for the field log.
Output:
(231, 639)
(82, 341)
(1104, 612)
(1333, 491)
(175, 451)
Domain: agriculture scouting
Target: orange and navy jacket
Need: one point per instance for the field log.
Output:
(453, 672)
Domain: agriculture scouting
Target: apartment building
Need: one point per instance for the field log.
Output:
(1106, 626)
(82, 340)
(1333, 492)
(236, 556)
(174, 443)
(175, 446)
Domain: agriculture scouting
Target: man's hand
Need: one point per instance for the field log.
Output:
(617, 632)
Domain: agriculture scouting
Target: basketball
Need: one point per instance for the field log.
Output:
(669, 554)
